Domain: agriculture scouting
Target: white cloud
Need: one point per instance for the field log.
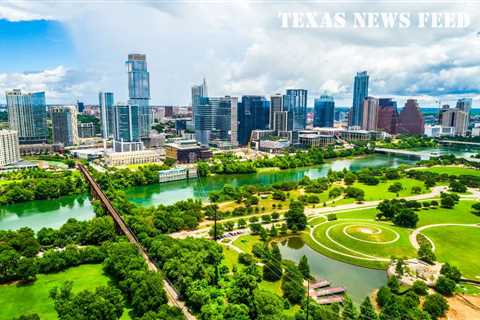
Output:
(241, 49)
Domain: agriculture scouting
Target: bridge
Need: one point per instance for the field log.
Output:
(417, 155)
(97, 192)
(466, 143)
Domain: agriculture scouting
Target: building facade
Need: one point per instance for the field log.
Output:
(324, 112)
(370, 114)
(9, 149)
(295, 102)
(280, 121)
(455, 118)
(387, 115)
(187, 151)
(139, 91)
(276, 105)
(131, 157)
(411, 119)
(27, 114)
(127, 135)
(253, 113)
(86, 130)
(64, 125)
(360, 92)
(107, 115)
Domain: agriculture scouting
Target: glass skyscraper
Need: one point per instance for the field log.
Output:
(202, 113)
(295, 102)
(324, 112)
(127, 128)
(253, 113)
(64, 125)
(139, 90)
(360, 92)
(107, 114)
(215, 119)
(27, 114)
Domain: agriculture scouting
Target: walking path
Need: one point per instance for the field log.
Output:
(413, 235)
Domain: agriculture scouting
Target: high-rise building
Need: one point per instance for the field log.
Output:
(202, 114)
(370, 114)
(280, 121)
(455, 118)
(80, 106)
(387, 115)
(27, 114)
(465, 105)
(199, 91)
(295, 102)
(64, 125)
(324, 112)
(411, 119)
(139, 91)
(442, 110)
(253, 113)
(234, 121)
(127, 128)
(276, 105)
(86, 130)
(107, 115)
(360, 92)
(9, 150)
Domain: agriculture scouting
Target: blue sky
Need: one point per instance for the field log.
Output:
(72, 50)
(34, 45)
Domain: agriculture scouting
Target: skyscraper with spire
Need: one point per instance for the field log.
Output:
(139, 90)
(360, 92)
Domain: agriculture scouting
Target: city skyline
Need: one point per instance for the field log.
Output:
(429, 66)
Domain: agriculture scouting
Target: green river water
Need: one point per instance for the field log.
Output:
(358, 281)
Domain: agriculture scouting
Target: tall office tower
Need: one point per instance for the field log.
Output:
(80, 106)
(276, 105)
(202, 114)
(411, 119)
(387, 115)
(465, 105)
(234, 121)
(370, 114)
(360, 92)
(27, 114)
(139, 90)
(107, 114)
(280, 121)
(324, 112)
(199, 91)
(455, 118)
(442, 110)
(64, 125)
(9, 150)
(253, 113)
(127, 128)
(295, 102)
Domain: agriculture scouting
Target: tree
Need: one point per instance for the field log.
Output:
(148, 293)
(349, 178)
(349, 311)
(27, 269)
(393, 284)
(304, 267)
(406, 217)
(476, 208)
(279, 195)
(383, 296)
(416, 189)
(456, 186)
(436, 305)
(367, 312)
(420, 288)
(31, 316)
(448, 200)
(105, 303)
(425, 253)
(451, 272)
(295, 216)
(395, 187)
(267, 305)
(272, 269)
(445, 286)
(292, 284)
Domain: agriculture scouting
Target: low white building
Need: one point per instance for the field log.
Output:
(476, 130)
(9, 149)
(177, 174)
(131, 157)
(438, 131)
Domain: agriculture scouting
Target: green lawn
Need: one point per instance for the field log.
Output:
(453, 170)
(455, 250)
(460, 246)
(230, 257)
(380, 191)
(246, 242)
(17, 300)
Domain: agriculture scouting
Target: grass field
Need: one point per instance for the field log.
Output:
(460, 246)
(453, 170)
(357, 235)
(17, 300)
(380, 191)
